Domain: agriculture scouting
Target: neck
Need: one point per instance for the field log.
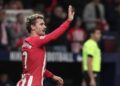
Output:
(33, 34)
(93, 39)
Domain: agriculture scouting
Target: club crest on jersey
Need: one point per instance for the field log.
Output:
(42, 37)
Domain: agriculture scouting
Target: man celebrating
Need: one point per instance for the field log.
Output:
(34, 53)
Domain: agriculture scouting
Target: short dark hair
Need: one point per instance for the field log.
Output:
(31, 20)
(92, 31)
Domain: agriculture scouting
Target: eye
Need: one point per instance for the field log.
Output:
(42, 24)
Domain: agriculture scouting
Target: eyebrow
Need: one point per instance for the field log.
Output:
(42, 23)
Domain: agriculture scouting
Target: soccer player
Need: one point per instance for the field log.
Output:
(92, 59)
(34, 53)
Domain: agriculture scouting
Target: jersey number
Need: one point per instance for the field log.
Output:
(25, 59)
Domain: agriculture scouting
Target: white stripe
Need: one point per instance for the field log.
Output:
(43, 69)
(23, 81)
(30, 81)
(18, 83)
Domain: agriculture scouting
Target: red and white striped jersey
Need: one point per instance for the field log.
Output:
(34, 57)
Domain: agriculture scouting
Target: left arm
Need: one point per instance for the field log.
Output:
(58, 79)
(48, 74)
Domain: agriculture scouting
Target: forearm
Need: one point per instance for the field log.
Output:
(48, 74)
(59, 31)
(90, 70)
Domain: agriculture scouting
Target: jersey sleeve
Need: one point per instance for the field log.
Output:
(48, 74)
(42, 40)
(90, 49)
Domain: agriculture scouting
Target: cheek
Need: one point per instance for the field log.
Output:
(38, 28)
(96, 36)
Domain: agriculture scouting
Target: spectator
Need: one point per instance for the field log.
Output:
(57, 18)
(76, 37)
(1, 4)
(39, 8)
(116, 22)
(116, 19)
(19, 31)
(4, 81)
(3, 31)
(52, 6)
(14, 4)
(94, 14)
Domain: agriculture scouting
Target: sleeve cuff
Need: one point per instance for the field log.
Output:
(90, 56)
(48, 74)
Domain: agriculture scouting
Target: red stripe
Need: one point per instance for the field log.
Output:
(27, 78)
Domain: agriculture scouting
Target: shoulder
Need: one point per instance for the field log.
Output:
(27, 39)
(30, 39)
(101, 6)
(89, 43)
(90, 4)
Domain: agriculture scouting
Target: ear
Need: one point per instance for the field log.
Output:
(32, 27)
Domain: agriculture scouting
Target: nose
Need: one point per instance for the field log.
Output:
(45, 26)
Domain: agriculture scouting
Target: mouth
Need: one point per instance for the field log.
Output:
(43, 30)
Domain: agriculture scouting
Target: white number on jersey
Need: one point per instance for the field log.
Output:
(25, 59)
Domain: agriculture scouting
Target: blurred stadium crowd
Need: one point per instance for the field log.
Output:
(106, 17)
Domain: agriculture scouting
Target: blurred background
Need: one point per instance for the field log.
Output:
(63, 55)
